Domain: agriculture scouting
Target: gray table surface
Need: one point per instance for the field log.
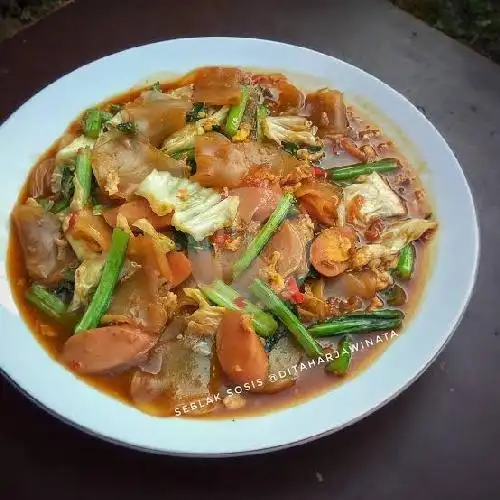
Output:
(440, 438)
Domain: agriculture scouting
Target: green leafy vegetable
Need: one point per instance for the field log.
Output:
(156, 87)
(194, 114)
(292, 148)
(60, 206)
(67, 181)
(67, 189)
(386, 313)
(192, 244)
(127, 128)
(45, 203)
(179, 238)
(340, 366)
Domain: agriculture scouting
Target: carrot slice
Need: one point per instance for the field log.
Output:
(180, 268)
(331, 250)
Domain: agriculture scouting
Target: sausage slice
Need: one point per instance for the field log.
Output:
(107, 349)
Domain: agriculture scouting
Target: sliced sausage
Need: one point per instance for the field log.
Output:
(107, 349)
(240, 352)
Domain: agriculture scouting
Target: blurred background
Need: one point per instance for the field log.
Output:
(16, 15)
(473, 22)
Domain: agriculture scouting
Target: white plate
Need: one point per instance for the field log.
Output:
(40, 121)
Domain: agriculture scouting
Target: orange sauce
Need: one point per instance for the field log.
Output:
(311, 383)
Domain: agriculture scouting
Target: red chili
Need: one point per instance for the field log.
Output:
(294, 294)
(319, 172)
(239, 302)
(297, 297)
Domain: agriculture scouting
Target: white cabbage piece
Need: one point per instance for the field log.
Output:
(166, 193)
(379, 200)
(221, 215)
(82, 249)
(198, 211)
(185, 138)
(206, 319)
(392, 240)
(71, 150)
(296, 129)
(87, 277)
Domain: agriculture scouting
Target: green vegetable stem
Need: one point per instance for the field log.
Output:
(47, 302)
(340, 366)
(236, 113)
(225, 296)
(352, 172)
(264, 235)
(109, 278)
(406, 262)
(266, 295)
(92, 123)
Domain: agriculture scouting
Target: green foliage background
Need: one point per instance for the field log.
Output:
(18, 14)
(473, 22)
